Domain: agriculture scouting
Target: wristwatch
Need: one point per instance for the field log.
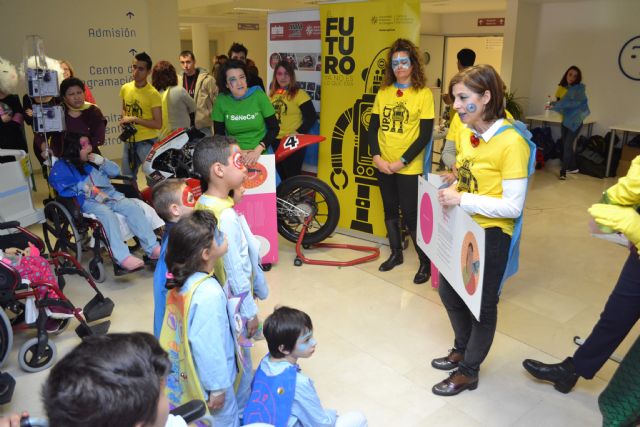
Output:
(404, 161)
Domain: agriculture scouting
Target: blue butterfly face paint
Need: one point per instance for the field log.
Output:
(305, 342)
(401, 63)
(471, 108)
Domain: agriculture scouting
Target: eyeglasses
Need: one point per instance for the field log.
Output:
(401, 62)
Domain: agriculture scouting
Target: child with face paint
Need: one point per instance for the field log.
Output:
(172, 199)
(294, 111)
(289, 335)
(493, 162)
(196, 331)
(219, 162)
(399, 131)
(85, 177)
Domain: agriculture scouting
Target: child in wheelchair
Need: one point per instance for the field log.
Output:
(85, 177)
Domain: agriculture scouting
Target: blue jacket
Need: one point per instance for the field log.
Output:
(573, 106)
(159, 282)
(69, 182)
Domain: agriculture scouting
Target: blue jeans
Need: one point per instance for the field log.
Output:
(133, 214)
(140, 150)
(568, 136)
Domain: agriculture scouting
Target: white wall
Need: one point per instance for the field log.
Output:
(590, 35)
(66, 27)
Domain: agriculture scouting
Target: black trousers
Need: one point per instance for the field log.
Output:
(400, 192)
(620, 313)
(473, 338)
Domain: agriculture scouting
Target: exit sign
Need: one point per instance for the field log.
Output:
(490, 22)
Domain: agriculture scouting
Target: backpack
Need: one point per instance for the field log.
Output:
(541, 136)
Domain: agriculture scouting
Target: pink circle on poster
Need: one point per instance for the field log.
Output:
(426, 218)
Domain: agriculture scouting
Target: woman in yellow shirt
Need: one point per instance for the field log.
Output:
(399, 130)
(294, 111)
(492, 163)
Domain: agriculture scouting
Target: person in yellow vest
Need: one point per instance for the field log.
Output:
(493, 169)
(294, 111)
(399, 130)
(196, 331)
(617, 211)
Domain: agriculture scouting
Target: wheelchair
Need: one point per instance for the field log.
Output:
(39, 352)
(67, 229)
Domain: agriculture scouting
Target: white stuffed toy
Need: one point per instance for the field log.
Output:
(8, 77)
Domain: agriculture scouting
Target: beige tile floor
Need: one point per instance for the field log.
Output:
(377, 332)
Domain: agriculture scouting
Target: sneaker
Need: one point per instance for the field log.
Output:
(563, 175)
(573, 170)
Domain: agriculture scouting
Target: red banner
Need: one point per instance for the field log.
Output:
(490, 22)
(307, 30)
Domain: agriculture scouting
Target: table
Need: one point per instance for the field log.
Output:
(556, 118)
(626, 130)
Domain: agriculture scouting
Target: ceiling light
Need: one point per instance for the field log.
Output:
(252, 9)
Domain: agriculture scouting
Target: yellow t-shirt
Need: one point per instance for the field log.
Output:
(138, 102)
(400, 123)
(288, 111)
(456, 124)
(481, 169)
(561, 92)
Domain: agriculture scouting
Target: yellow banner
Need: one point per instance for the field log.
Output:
(355, 42)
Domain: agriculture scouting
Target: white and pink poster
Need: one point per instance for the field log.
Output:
(259, 206)
(295, 37)
(453, 241)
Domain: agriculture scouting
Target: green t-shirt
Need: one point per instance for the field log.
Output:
(244, 118)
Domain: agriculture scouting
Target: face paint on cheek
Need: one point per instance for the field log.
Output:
(471, 108)
(84, 142)
(304, 346)
(237, 160)
(188, 199)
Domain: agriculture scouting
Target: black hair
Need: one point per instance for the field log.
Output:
(283, 327)
(70, 82)
(210, 150)
(112, 380)
(238, 47)
(221, 75)
(165, 194)
(71, 151)
(188, 53)
(144, 57)
(187, 239)
(466, 57)
(565, 83)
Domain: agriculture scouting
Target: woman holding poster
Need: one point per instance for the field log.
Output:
(399, 130)
(492, 162)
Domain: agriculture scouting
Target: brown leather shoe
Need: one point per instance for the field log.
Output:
(448, 362)
(456, 383)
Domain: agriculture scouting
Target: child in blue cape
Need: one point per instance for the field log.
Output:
(281, 395)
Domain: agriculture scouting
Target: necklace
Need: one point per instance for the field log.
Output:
(401, 86)
(475, 141)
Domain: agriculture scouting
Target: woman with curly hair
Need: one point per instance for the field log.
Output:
(177, 105)
(399, 130)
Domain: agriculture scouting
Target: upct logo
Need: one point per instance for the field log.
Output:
(241, 117)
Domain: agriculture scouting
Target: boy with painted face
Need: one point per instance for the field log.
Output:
(289, 335)
(218, 160)
(172, 199)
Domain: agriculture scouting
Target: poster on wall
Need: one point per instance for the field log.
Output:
(355, 42)
(453, 241)
(100, 46)
(258, 205)
(295, 37)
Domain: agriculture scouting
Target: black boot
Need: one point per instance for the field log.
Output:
(562, 375)
(395, 243)
(424, 271)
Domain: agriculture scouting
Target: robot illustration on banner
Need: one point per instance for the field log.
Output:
(364, 171)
